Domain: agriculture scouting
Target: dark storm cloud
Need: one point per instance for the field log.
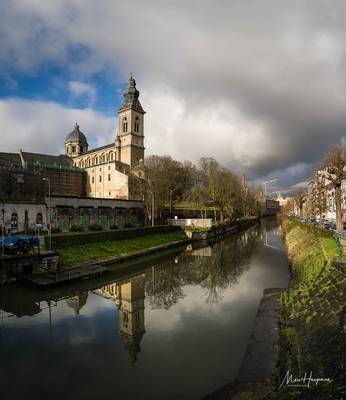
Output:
(258, 85)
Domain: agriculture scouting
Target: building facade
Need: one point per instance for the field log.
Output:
(107, 167)
(81, 187)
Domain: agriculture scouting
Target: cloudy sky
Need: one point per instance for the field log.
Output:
(259, 85)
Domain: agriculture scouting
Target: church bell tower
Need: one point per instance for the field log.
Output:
(131, 126)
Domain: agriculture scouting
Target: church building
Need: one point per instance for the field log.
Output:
(107, 167)
(81, 187)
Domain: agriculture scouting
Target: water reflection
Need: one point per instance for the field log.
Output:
(128, 296)
(176, 320)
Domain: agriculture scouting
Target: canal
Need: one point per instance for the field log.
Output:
(170, 327)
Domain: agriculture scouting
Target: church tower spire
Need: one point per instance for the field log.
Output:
(131, 126)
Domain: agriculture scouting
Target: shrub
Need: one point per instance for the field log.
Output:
(56, 230)
(76, 228)
(129, 225)
(95, 227)
(113, 227)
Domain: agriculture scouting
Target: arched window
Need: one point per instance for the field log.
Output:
(14, 220)
(136, 124)
(89, 162)
(111, 156)
(103, 158)
(125, 124)
(39, 219)
(96, 160)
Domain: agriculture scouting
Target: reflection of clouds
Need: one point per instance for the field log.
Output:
(61, 311)
(265, 270)
(81, 337)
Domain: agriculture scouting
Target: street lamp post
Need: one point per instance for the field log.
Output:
(3, 232)
(152, 207)
(49, 216)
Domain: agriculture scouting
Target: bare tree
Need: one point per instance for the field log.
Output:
(332, 166)
(299, 200)
(318, 194)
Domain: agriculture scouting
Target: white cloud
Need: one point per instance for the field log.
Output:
(81, 90)
(173, 128)
(258, 85)
(40, 126)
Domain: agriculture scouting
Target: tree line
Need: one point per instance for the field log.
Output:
(206, 187)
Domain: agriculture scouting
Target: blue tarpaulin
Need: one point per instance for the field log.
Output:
(19, 242)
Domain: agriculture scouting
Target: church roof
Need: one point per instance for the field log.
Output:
(104, 147)
(45, 158)
(131, 95)
(76, 136)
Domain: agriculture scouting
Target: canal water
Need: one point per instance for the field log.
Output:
(170, 327)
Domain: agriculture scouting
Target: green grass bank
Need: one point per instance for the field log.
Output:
(313, 314)
(69, 239)
(93, 251)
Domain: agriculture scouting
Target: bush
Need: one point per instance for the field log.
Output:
(56, 230)
(95, 227)
(76, 228)
(129, 225)
(113, 227)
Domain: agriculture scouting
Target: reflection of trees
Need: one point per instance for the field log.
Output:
(228, 259)
(164, 287)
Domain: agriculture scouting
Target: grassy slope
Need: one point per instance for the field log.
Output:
(94, 251)
(313, 336)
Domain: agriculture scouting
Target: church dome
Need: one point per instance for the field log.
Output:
(76, 136)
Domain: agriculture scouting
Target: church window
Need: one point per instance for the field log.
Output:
(109, 177)
(39, 219)
(103, 158)
(136, 124)
(14, 220)
(81, 149)
(100, 178)
(92, 180)
(96, 160)
(111, 157)
(89, 162)
(125, 123)
(73, 149)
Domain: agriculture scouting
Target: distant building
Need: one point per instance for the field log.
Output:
(270, 207)
(283, 200)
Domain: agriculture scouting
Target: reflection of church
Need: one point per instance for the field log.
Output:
(129, 297)
(77, 302)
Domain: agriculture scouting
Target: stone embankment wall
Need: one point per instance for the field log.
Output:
(222, 229)
(14, 267)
